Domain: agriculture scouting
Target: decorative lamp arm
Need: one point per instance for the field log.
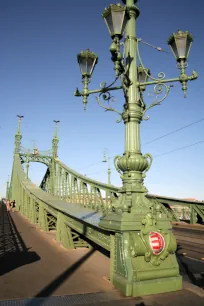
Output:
(184, 78)
(104, 91)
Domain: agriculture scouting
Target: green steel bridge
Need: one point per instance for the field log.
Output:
(135, 227)
(73, 204)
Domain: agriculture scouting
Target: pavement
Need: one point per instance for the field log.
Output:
(190, 254)
(36, 270)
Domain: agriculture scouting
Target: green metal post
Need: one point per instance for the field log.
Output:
(55, 142)
(18, 136)
(13, 192)
(140, 222)
(105, 157)
(193, 215)
(109, 172)
(144, 245)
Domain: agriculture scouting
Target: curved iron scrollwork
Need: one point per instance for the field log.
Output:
(161, 75)
(159, 88)
(117, 157)
(107, 97)
(147, 156)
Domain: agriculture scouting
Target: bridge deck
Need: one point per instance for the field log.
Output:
(32, 264)
(73, 209)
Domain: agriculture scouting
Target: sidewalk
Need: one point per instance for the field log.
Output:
(32, 264)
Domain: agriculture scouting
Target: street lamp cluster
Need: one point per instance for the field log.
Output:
(134, 79)
(138, 220)
(116, 18)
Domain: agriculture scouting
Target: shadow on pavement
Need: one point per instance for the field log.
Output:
(185, 269)
(50, 288)
(13, 251)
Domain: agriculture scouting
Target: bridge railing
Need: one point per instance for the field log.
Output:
(74, 226)
(73, 187)
(77, 225)
(35, 151)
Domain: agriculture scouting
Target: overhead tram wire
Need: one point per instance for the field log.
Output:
(182, 128)
(97, 172)
(163, 136)
(191, 145)
(165, 153)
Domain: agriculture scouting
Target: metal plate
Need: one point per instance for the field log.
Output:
(68, 300)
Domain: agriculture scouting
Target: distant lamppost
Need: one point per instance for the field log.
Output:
(105, 157)
(54, 182)
(20, 118)
(145, 262)
(18, 135)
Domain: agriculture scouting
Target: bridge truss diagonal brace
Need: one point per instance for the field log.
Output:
(194, 211)
(43, 222)
(64, 233)
(69, 238)
(33, 214)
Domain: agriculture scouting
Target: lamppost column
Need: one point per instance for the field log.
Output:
(132, 132)
(143, 250)
(109, 171)
(132, 164)
(55, 142)
(106, 158)
(18, 136)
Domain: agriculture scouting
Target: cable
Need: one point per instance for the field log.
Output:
(97, 172)
(157, 48)
(91, 165)
(191, 145)
(92, 173)
(175, 131)
(165, 153)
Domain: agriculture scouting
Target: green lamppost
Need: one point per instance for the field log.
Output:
(144, 245)
(55, 141)
(18, 135)
(105, 157)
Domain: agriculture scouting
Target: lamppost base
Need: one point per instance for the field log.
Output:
(129, 222)
(119, 220)
(143, 247)
(147, 287)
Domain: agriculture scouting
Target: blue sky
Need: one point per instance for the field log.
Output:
(39, 73)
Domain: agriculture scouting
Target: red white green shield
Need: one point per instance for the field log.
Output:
(157, 242)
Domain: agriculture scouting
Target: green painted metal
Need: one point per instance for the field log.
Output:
(43, 222)
(105, 157)
(124, 220)
(133, 213)
(127, 248)
(64, 233)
